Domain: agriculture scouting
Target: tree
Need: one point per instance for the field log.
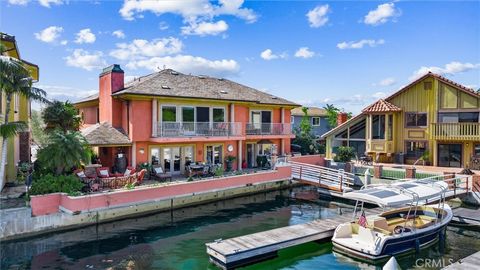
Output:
(61, 115)
(305, 126)
(64, 151)
(14, 80)
(37, 126)
(304, 137)
(332, 114)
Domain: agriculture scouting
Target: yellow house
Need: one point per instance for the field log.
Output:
(432, 118)
(18, 147)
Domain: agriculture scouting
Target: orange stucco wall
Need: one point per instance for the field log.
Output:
(140, 120)
(89, 115)
(110, 108)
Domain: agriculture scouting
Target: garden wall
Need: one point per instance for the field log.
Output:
(52, 203)
(310, 159)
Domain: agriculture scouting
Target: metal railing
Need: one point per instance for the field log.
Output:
(456, 131)
(322, 175)
(268, 129)
(193, 129)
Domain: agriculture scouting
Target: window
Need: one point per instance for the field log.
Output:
(378, 127)
(218, 115)
(476, 150)
(169, 114)
(214, 154)
(415, 149)
(203, 114)
(155, 155)
(416, 119)
(315, 121)
(292, 118)
(458, 117)
(188, 114)
(390, 128)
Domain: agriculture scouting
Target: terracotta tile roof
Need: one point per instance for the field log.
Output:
(103, 134)
(381, 106)
(170, 83)
(312, 111)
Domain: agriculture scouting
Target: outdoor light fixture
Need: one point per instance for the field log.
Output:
(142, 151)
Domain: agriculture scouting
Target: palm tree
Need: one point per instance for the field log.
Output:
(64, 151)
(14, 80)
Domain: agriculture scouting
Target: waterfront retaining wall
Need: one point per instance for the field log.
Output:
(74, 212)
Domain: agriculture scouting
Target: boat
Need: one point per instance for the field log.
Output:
(408, 221)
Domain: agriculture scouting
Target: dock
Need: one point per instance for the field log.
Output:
(244, 250)
(466, 216)
(470, 262)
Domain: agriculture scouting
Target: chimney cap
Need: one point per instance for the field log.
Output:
(115, 68)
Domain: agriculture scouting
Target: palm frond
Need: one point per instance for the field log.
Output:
(11, 129)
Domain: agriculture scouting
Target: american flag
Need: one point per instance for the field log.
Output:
(362, 220)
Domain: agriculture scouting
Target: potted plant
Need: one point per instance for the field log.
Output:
(425, 157)
(229, 161)
(147, 166)
(345, 155)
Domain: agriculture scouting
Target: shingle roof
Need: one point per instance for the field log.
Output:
(381, 106)
(103, 134)
(312, 111)
(171, 83)
(89, 98)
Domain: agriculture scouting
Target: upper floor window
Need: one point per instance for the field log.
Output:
(378, 127)
(315, 121)
(458, 117)
(416, 119)
(169, 113)
(218, 115)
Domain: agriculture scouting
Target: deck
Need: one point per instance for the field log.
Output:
(470, 262)
(248, 249)
(466, 216)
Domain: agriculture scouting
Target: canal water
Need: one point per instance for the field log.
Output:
(176, 240)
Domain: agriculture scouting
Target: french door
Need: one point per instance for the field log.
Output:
(450, 155)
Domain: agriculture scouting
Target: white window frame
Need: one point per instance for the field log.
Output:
(224, 113)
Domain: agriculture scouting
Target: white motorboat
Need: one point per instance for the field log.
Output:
(408, 225)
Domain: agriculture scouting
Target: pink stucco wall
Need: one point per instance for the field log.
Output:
(310, 159)
(47, 204)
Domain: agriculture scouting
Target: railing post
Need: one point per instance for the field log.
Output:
(341, 179)
(300, 174)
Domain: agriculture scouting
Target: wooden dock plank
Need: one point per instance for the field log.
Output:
(237, 249)
(470, 262)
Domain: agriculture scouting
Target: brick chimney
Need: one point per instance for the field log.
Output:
(111, 80)
(342, 117)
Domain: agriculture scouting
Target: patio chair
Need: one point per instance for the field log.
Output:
(157, 172)
(88, 181)
(103, 172)
(139, 177)
(207, 170)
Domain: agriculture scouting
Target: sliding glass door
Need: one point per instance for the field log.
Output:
(450, 155)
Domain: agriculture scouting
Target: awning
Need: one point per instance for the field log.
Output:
(400, 193)
(105, 135)
(264, 141)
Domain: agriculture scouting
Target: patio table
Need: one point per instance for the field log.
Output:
(196, 169)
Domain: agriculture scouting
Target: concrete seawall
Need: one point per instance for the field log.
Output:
(19, 223)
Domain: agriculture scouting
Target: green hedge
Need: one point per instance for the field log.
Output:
(50, 184)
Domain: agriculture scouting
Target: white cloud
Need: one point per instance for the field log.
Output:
(304, 52)
(63, 93)
(205, 28)
(83, 59)
(64, 42)
(163, 25)
(118, 33)
(386, 82)
(85, 36)
(188, 9)
(140, 48)
(379, 95)
(360, 44)
(49, 34)
(18, 2)
(318, 16)
(269, 55)
(382, 14)
(189, 64)
(451, 68)
(47, 3)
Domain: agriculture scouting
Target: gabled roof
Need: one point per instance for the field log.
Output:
(87, 99)
(312, 111)
(170, 83)
(104, 134)
(381, 106)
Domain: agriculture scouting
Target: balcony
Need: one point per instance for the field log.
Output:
(268, 129)
(456, 131)
(198, 129)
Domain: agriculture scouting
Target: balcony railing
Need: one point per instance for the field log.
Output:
(456, 131)
(268, 129)
(202, 129)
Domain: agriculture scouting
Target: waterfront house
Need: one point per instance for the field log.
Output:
(19, 145)
(173, 119)
(317, 117)
(432, 117)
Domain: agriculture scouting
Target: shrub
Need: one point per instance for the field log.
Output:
(345, 154)
(50, 184)
(219, 172)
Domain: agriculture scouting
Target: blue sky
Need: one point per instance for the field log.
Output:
(348, 53)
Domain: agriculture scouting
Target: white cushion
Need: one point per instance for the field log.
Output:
(366, 235)
(127, 172)
(104, 172)
(158, 170)
(81, 174)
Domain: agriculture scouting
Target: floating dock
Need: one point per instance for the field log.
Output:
(244, 250)
(466, 216)
(470, 262)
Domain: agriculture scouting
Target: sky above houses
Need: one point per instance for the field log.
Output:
(346, 53)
